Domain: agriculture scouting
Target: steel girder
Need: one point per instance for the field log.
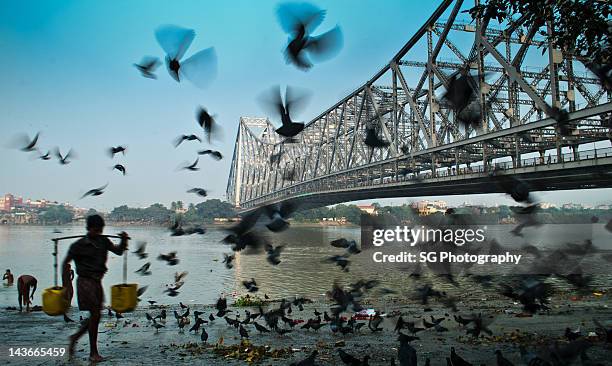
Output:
(402, 103)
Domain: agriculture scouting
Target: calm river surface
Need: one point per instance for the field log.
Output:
(27, 250)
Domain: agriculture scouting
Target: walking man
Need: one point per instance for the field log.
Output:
(89, 254)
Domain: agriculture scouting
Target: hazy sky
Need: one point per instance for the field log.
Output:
(66, 70)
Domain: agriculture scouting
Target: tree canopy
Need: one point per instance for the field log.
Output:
(581, 26)
(56, 215)
(158, 213)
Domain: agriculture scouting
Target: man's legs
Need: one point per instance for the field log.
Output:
(94, 321)
(90, 326)
(19, 293)
(26, 297)
(75, 337)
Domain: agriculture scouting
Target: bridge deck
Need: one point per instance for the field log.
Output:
(590, 169)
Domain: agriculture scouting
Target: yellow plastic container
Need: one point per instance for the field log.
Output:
(54, 301)
(124, 297)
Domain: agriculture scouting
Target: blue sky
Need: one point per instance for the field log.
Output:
(66, 71)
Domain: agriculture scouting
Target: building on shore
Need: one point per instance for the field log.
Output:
(426, 207)
(9, 202)
(369, 209)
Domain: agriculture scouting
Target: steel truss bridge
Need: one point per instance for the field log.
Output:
(429, 153)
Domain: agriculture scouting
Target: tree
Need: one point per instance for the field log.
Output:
(210, 209)
(352, 213)
(56, 215)
(157, 213)
(581, 26)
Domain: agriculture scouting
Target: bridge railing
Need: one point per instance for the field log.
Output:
(357, 179)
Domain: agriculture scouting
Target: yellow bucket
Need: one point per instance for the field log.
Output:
(124, 297)
(54, 301)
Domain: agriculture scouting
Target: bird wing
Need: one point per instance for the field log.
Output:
(296, 99)
(247, 222)
(150, 63)
(291, 15)
(57, 153)
(340, 243)
(288, 208)
(195, 163)
(326, 45)
(271, 102)
(141, 290)
(33, 142)
(174, 40)
(203, 116)
(70, 154)
(201, 67)
(221, 304)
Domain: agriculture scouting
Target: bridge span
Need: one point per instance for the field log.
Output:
(429, 152)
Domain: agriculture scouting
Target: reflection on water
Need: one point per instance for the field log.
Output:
(27, 250)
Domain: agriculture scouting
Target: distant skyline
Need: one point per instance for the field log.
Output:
(490, 199)
(67, 72)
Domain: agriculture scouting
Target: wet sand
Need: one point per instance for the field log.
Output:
(139, 344)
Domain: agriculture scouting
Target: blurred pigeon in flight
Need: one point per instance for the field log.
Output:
(372, 140)
(144, 270)
(95, 191)
(273, 254)
(295, 100)
(299, 20)
(179, 140)
(215, 154)
(193, 167)
(206, 121)
(147, 66)
(29, 145)
(200, 68)
(199, 191)
(227, 259)
(140, 251)
(278, 215)
(350, 245)
(63, 160)
(251, 285)
(461, 97)
(115, 150)
(120, 168)
(46, 156)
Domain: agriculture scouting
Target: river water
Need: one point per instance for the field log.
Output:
(27, 250)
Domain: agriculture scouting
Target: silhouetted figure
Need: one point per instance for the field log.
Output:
(24, 283)
(8, 276)
(90, 254)
(67, 277)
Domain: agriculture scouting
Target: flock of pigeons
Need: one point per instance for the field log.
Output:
(299, 20)
(303, 48)
(345, 314)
